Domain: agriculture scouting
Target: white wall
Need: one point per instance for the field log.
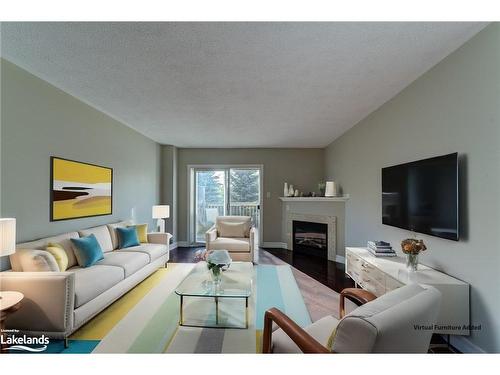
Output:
(455, 107)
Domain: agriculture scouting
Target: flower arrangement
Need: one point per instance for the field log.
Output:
(217, 261)
(413, 246)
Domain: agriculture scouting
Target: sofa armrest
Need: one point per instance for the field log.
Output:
(253, 232)
(159, 238)
(48, 304)
(305, 342)
(211, 235)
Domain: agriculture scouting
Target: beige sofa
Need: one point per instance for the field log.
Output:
(58, 303)
(234, 234)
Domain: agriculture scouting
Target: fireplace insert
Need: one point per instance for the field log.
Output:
(310, 238)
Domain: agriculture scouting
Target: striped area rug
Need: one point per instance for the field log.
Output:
(145, 320)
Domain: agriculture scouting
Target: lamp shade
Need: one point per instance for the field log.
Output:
(7, 236)
(161, 212)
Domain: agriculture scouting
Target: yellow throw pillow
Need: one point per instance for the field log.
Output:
(142, 232)
(59, 254)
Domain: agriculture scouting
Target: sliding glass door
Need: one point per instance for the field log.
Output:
(210, 199)
(244, 193)
(223, 191)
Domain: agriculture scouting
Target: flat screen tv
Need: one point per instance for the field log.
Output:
(422, 196)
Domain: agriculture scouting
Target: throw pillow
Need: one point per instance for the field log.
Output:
(87, 250)
(59, 254)
(127, 237)
(142, 232)
(36, 260)
(228, 229)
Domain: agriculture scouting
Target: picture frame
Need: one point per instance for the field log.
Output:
(79, 189)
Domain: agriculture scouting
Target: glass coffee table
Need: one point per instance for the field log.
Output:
(236, 283)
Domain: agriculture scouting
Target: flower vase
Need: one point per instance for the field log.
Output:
(412, 262)
(216, 274)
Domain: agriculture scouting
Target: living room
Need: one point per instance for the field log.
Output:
(148, 166)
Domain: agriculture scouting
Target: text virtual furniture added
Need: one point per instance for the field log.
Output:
(58, 303)
(234, 234)
(400, 321)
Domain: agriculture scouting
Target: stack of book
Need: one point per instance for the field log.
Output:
(381, 249)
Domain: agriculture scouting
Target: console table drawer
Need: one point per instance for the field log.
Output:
(370, 272)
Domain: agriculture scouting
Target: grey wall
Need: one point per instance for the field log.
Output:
(455, 107)
(168, 186)
(301, 167)
(38, 121)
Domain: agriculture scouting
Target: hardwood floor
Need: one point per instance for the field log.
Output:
(331, 274)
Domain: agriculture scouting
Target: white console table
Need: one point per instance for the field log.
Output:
(380, 275)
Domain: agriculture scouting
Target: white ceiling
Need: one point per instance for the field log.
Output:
(233, 84)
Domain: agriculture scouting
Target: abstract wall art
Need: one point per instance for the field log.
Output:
(79, 189)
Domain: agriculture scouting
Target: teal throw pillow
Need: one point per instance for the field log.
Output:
(127, 237)
(87, 250)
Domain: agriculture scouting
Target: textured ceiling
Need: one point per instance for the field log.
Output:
(233, 84)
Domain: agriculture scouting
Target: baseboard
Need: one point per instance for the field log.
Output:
(173, 246)
(463, 344)
(274, 245)
(187, 244)
(340, 259)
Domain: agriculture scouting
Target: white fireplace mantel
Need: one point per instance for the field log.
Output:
(343, 198)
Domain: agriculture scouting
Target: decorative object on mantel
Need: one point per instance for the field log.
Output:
(291, 191)
(321, 187)
(285, 190)
(339, 198)
(296, 193)
(330, 189)
(412, 247)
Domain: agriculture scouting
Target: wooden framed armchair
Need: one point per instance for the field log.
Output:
(388, 324)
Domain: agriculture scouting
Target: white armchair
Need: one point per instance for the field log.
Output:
(400, 321)
(234, 234)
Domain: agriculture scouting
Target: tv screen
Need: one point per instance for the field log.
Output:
(422, 196)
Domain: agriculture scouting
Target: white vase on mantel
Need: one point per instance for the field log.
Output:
(285, 190)
(291, 191)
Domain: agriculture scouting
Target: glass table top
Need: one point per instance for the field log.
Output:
(236, 282)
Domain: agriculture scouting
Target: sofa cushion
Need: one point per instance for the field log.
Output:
(131, 262)
(87, 250)
(127, 237)
(231, 244)
(93, 281)
(142, 232)
(153, 250)
(59, 255)
(33, 260)
(102, 235)
(63, 239)
(233, 226)
(112, 231)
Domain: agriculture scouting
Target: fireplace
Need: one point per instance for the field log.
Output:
(310, 238)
